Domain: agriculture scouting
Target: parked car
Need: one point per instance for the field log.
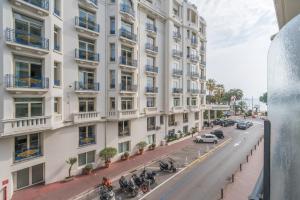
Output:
(224, 123)
(218, 133)
(216, 121)
(242, 125)
(230, 122)
(207, 138)
(250, 124)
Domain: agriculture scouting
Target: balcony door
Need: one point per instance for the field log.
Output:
(127, 55)
(86, 49)
(87, 19)
(126, 81)
(28, 31)
(150, 82)
(126, 27)
(86, 79)
(28, 73)
(28, 107)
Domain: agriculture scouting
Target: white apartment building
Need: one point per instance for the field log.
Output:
(81, 75)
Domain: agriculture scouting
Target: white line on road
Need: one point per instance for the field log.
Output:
(237, 144)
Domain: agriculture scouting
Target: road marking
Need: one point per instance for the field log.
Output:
(198, 160)
(237, 144)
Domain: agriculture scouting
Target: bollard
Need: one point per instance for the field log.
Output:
(255, 147)
(222, 193)
(247, 158)
(251, 152)
(232, 178)
(240, 167)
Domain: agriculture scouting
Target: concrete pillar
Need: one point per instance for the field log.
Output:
(208, 115)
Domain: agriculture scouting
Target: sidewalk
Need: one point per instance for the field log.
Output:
(64, 191)
(245, 180)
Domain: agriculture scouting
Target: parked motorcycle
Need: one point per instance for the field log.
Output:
(106, 193)
(149, 175)
(167, 166)
(141, 182)
(128, 186)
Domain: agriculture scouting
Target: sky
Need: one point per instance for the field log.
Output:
(238, 39)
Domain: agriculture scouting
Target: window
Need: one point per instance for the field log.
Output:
(86, 79)
(86, 158)
(112, 77)
(57, 105)
(57, 74)
(124, 128)
(87, 135)
(150, 61)
(27, 146)
(151, 41)
(87, 49)
(151, 123)
(151, 102)
(124, 147)
(87, 20)
(112, 103)
(28, 107)
(29, 176)
(151, 139)
(171, 121)
(126, 81)
(196, 115)
(86, 104)
(57, 35)
(127, 103)
(194, 101)
(127, 56)
(176, 101)
(112, 51)
(161, 120)
(57, 7)
(188, 101)
(126, 28)
(185, 129)
(185, 117)
(112, 25)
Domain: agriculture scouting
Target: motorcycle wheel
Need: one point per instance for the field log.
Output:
(174, 170)
(144, 188)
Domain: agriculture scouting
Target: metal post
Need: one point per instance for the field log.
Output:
(240, 167)
(232, 178)
(247, 158)
(267, 164)
(222, 193)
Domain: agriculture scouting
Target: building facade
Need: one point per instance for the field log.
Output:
(82, 75)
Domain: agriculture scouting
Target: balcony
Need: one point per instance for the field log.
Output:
(178, 109)
(25, 125)
(128, 63)
(202, 78)
(127, 36)
(40, 7)
(203, 92)
(151, 69)
(84, 117)
(127, 11)
(24, 41)
(202, 48)
(172, 123)
(194, 108)
(194, 75)
(81, 87)
(193, 58)
(152, 90)
(17, 84)
(151, 49)
(203, 63)
(177, 35)
(122, 115)
(177, 72)
(177, 90)
(151, 110)
(27, 154)
(151, 28)
(177, 53)
(194, 91)
(92, 4)
(194, 42)
(88, 27)
(128, 88)
(86, 57)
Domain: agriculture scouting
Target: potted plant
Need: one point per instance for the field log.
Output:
(87, 170)
(152, 146)
(125, 156)
(179, 133)
(107, 154)
(71, 162)
(141, 146)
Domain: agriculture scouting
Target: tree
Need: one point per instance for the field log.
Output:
(264, 98)
(242, 105)
(107, 153)
(237, 93)
(210, 85)
(219, 92)
(71, 162)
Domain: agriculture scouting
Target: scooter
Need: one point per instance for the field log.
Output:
(128, 186)
(106, 193)
(167, 166)
(149, 175)
(141, 182)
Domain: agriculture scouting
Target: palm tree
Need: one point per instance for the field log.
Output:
(242, 106)
(210, 85)
(219, 92)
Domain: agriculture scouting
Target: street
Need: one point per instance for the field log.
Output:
(203, 181)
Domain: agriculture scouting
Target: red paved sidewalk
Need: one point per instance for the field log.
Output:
(64, 191)
(245, 180)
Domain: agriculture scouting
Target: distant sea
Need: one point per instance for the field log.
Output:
(256, 102)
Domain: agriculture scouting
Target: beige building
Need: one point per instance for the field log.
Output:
(81, 75)
(286, 10)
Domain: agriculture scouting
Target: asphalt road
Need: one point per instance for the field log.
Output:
(204, 180)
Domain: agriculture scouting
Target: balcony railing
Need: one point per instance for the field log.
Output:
(203, 78)
(202, 62)
(13, 81)
(80, 86)
(152, 69)
(194, 74)
(125, 8)
(177, 53)
(194, 41)
(193, 57)
(27, 153)
(177, 72)
(128, 88)
(202, 91)
(87, 141)
(193, 91)
(151, 47)
(128, 62)
(44, 4)
(176, 35)
(128, 35)
(95, 2)
(151, 27)
(177, 90)
(151, 89)
(87, 24)
(25, 38)
(87, 55)
(82, 117)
